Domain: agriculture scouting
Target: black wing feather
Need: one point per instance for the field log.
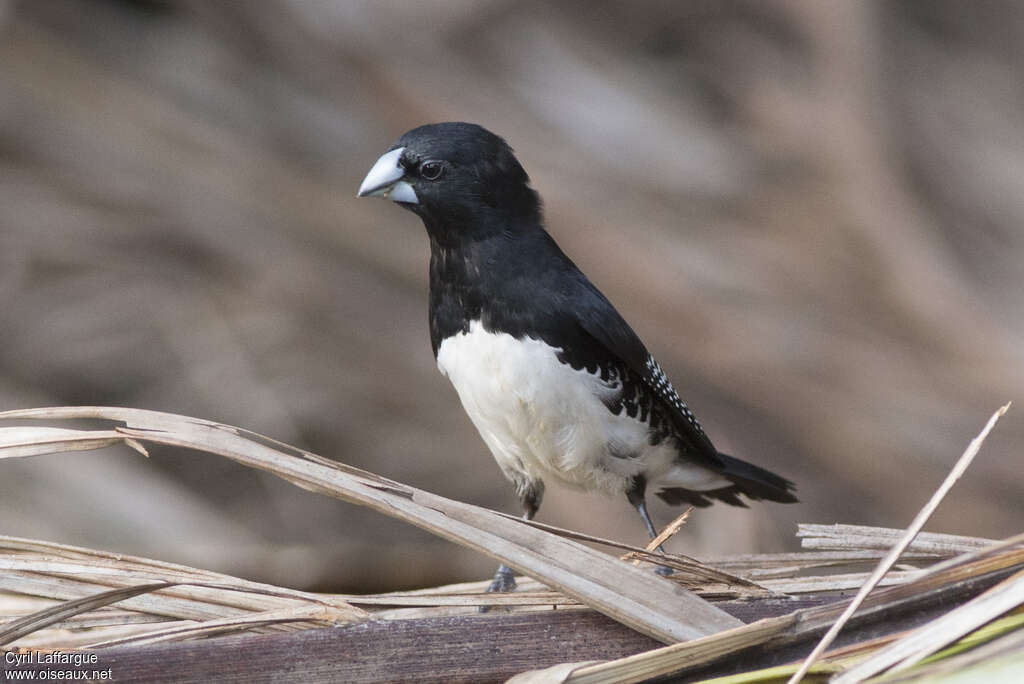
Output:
(601, 322)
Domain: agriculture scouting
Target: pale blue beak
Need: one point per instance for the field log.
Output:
(385, 180)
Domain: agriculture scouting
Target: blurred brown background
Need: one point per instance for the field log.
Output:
(813, 213)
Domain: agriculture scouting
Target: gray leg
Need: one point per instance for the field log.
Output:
(636, 496)
(503, 580)
(530, 496)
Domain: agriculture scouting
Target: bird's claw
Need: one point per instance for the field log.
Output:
(503, 582)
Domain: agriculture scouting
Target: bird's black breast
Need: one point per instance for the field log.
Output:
(512, 283)
(529, 288)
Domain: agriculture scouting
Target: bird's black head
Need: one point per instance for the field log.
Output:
(461, 179)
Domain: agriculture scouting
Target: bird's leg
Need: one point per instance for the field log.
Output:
(530, 495)
(636, 496)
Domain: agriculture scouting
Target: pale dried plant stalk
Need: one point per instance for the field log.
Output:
(890, 558)
(162, 601)
(638, 598)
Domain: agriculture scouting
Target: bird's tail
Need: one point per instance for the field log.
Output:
(757, 483)
(747, 479)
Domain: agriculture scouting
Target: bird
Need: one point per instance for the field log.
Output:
(556, 382)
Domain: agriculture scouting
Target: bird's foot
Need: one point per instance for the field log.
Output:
(663, 571)
(503, 582)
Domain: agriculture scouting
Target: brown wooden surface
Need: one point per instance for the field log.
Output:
(473, 648)
(492, 647)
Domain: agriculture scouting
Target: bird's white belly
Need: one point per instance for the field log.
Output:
(540, 417)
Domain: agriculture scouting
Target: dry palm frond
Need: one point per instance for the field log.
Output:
(30, 623)
(633, 596)
(913, 648)
(158, 601)
(926, 588)
(881, 539)
(981, 559)
(902, 543)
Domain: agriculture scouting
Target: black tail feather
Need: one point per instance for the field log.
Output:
(755, 483)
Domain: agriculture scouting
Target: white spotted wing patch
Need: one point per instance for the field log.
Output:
(661, 385)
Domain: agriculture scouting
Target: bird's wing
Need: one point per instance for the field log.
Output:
(605, 327)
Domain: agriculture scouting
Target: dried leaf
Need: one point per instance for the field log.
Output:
(941, 632)
(633, 596)
(16, 629)
(894, 554)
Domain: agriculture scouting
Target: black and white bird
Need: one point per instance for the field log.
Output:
(556, 382)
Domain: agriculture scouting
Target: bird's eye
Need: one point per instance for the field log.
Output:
(431, 170)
